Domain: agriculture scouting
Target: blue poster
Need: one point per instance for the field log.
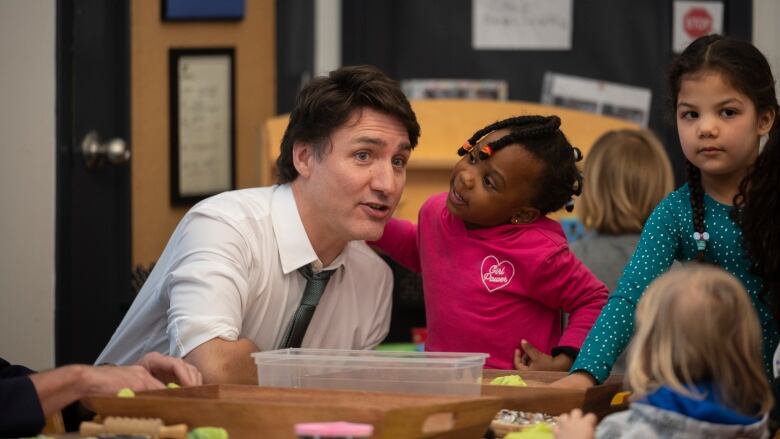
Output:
(181, 10)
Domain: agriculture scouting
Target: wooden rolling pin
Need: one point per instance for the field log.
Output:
(152, 427)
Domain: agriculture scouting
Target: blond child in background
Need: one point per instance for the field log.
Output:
(626, 174)
(691, 377)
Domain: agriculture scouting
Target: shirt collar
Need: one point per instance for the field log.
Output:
(295, 249)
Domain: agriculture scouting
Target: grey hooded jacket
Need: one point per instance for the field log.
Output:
(646, 421)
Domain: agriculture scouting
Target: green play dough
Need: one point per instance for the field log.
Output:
(208, 433)
(125, 393)
(541, 430)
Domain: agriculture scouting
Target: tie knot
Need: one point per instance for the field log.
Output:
(307, 272)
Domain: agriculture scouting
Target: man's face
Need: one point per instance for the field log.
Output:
(355, 184)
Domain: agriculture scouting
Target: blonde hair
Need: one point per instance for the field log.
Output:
(696, 324)
(627, 173)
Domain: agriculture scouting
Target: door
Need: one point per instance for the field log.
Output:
(92, 288)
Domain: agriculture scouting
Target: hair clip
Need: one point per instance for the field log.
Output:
(465, 149)
(569, 206)
(485, 152)
(577, 153)
(701, 240)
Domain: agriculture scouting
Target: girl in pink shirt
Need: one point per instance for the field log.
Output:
(496, 271)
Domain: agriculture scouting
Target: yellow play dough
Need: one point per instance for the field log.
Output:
(509, 380)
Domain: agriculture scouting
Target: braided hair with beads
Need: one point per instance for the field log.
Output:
(541, 136)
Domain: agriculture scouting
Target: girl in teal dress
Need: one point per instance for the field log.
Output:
(725, 106)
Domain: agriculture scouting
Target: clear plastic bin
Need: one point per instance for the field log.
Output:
(383, 371)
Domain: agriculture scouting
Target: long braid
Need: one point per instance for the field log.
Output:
(541, 136)
(697, 205)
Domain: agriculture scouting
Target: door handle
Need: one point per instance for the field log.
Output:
(95, 153)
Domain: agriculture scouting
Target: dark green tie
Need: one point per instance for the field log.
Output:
(315, 286)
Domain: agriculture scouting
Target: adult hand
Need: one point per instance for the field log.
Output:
(171, 369)
(576, 380)
(110, 379)
(576, 425)
(531, 358)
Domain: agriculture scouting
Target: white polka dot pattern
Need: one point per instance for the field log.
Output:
(668, 236)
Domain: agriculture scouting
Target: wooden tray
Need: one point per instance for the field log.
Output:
(251, 411)
(539, 397)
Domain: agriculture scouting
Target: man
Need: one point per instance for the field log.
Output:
(228, 281)
(27, 398)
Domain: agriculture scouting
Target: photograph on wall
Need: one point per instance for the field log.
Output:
(608, 98)
(455, 89)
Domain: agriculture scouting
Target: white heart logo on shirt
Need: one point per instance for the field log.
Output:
(496, 274)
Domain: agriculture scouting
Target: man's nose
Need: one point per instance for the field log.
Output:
(385, 178)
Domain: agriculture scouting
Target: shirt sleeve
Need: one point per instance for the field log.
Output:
(581, 295)
(207, 284)
(399, 241)
(655, 252)
(21, 414)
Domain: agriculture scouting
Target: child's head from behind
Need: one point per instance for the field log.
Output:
(513, 171)
(626, 174)
(696, 325)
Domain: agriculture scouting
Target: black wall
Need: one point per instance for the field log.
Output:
(621, 41)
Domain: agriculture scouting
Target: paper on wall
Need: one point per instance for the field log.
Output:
(521, 24)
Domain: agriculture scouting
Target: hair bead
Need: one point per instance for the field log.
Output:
(465, 149)
(485, 152)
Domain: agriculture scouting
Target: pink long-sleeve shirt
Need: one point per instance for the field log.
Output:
(487, 289)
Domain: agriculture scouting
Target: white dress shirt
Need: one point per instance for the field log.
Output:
(229, 271)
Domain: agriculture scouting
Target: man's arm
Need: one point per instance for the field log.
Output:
(222, 361)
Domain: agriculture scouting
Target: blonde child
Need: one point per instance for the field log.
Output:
(724, 103)
(690, 377)
(626, 174)
(496, 271)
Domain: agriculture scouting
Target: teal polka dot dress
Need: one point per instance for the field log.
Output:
(668, 236)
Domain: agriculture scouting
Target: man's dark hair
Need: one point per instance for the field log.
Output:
(327, 102)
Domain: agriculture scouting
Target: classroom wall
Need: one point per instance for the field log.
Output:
(253, 39)
(27, 181)
(766, 34)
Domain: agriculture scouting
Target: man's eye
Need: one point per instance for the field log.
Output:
(399, 162)
(362, 156)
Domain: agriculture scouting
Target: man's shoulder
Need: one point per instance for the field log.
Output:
(360, 258)
(238, 204)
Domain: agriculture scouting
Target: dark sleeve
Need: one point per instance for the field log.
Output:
(21, 413)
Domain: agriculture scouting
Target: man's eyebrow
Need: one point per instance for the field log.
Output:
(379, 142)
(370, 140)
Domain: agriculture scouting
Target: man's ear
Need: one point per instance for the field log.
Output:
(525, 215)
(303, 156)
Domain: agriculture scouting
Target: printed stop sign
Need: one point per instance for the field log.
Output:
(697, 22)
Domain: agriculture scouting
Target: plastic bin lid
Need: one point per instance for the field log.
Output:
(334, 429)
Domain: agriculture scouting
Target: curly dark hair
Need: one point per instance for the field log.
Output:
(757, 203)
(327, 102)
(541, 136)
